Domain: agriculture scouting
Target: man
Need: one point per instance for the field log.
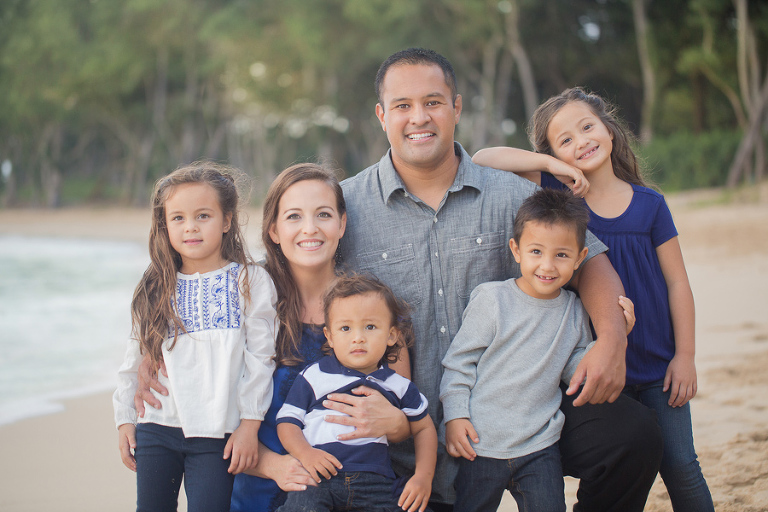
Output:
(433, 225)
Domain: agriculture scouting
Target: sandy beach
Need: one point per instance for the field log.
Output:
(68, 461)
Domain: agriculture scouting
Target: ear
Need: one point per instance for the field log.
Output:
(515, 249)
(380, 115)
(227, 222)
(273, 233)
(394, 335)
(343, 228)
(457, 107)
(582, 255)
(328, 336)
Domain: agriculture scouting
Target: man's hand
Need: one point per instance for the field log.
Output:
(604, 369)
(148, 379)
(370, 413)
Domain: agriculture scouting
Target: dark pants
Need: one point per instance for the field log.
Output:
(353, 490)
(534, 480)
(613, 449)
(164, 456)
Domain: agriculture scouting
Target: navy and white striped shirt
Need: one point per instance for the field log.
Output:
(304, 407)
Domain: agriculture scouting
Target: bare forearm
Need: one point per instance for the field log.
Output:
(512, 159)
(292, 438)
(599, 287)
(425, 446)
(682, 309)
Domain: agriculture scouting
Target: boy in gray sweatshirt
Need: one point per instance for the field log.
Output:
(518, 340)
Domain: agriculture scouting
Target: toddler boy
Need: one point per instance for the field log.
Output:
(366, 327)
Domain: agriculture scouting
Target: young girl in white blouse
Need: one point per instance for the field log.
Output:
(208, 314)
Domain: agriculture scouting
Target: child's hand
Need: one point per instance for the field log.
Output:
(243, 446)
(126, 442)
(416, 494)
(629, 312)
(571, 176)
(456, 442)
(319, 463)
(680, 380)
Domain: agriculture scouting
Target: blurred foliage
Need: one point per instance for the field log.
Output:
(684, 159)
(100, 98)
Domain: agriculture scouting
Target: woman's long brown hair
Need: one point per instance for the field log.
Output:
(153, 307)
(289, 307)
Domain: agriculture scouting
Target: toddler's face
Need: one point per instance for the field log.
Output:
(548, 255)
(359, 330)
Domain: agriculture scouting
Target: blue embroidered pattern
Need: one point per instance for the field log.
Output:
(210, 302)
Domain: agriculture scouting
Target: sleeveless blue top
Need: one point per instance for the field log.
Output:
(254, 494)
(632, 239)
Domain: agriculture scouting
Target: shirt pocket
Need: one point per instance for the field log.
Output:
(478, 259)
(397, 268)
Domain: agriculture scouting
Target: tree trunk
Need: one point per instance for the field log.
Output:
(524, 68)
(752, 138)
(646, 69)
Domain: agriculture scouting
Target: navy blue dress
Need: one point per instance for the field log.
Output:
(254, 494)
(632, 239)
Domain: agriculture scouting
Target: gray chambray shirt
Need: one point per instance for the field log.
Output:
(434, 259)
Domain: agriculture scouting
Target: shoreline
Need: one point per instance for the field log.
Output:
(68, 460)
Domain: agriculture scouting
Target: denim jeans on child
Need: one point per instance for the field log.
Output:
(534, 480)
(680, 468)
(164, 456)
(354, 490)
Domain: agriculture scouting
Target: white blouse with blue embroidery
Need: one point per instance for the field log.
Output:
(220, 370)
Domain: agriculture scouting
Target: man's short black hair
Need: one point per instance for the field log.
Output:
(414, 56)
(550, 206)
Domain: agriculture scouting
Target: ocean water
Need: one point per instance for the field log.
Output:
(64, 319)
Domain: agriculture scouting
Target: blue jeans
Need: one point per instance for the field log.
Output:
(534, 480)
(361, 490)
(164, 456)
(680, 468)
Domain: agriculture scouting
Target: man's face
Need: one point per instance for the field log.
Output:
(419, 115)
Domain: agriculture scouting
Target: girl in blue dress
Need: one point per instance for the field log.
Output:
(580, 144)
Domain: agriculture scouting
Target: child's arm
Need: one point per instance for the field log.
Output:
(417, 490)
(529, 165)
(681, 372)
(243, 446)
(458, 432)
(316, 461)
(126, 443)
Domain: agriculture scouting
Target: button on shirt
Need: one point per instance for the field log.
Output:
(434, 259)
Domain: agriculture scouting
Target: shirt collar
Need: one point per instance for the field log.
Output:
(468, 174)
(329, 364)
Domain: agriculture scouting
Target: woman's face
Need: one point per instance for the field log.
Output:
(308, 226)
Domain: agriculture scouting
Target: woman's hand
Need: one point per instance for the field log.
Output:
(370, 413)
(147, 380)
(285, 470)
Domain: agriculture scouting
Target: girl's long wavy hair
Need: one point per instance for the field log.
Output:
(289, 307)
(153, 309)
(625, 164)
(351, 285)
